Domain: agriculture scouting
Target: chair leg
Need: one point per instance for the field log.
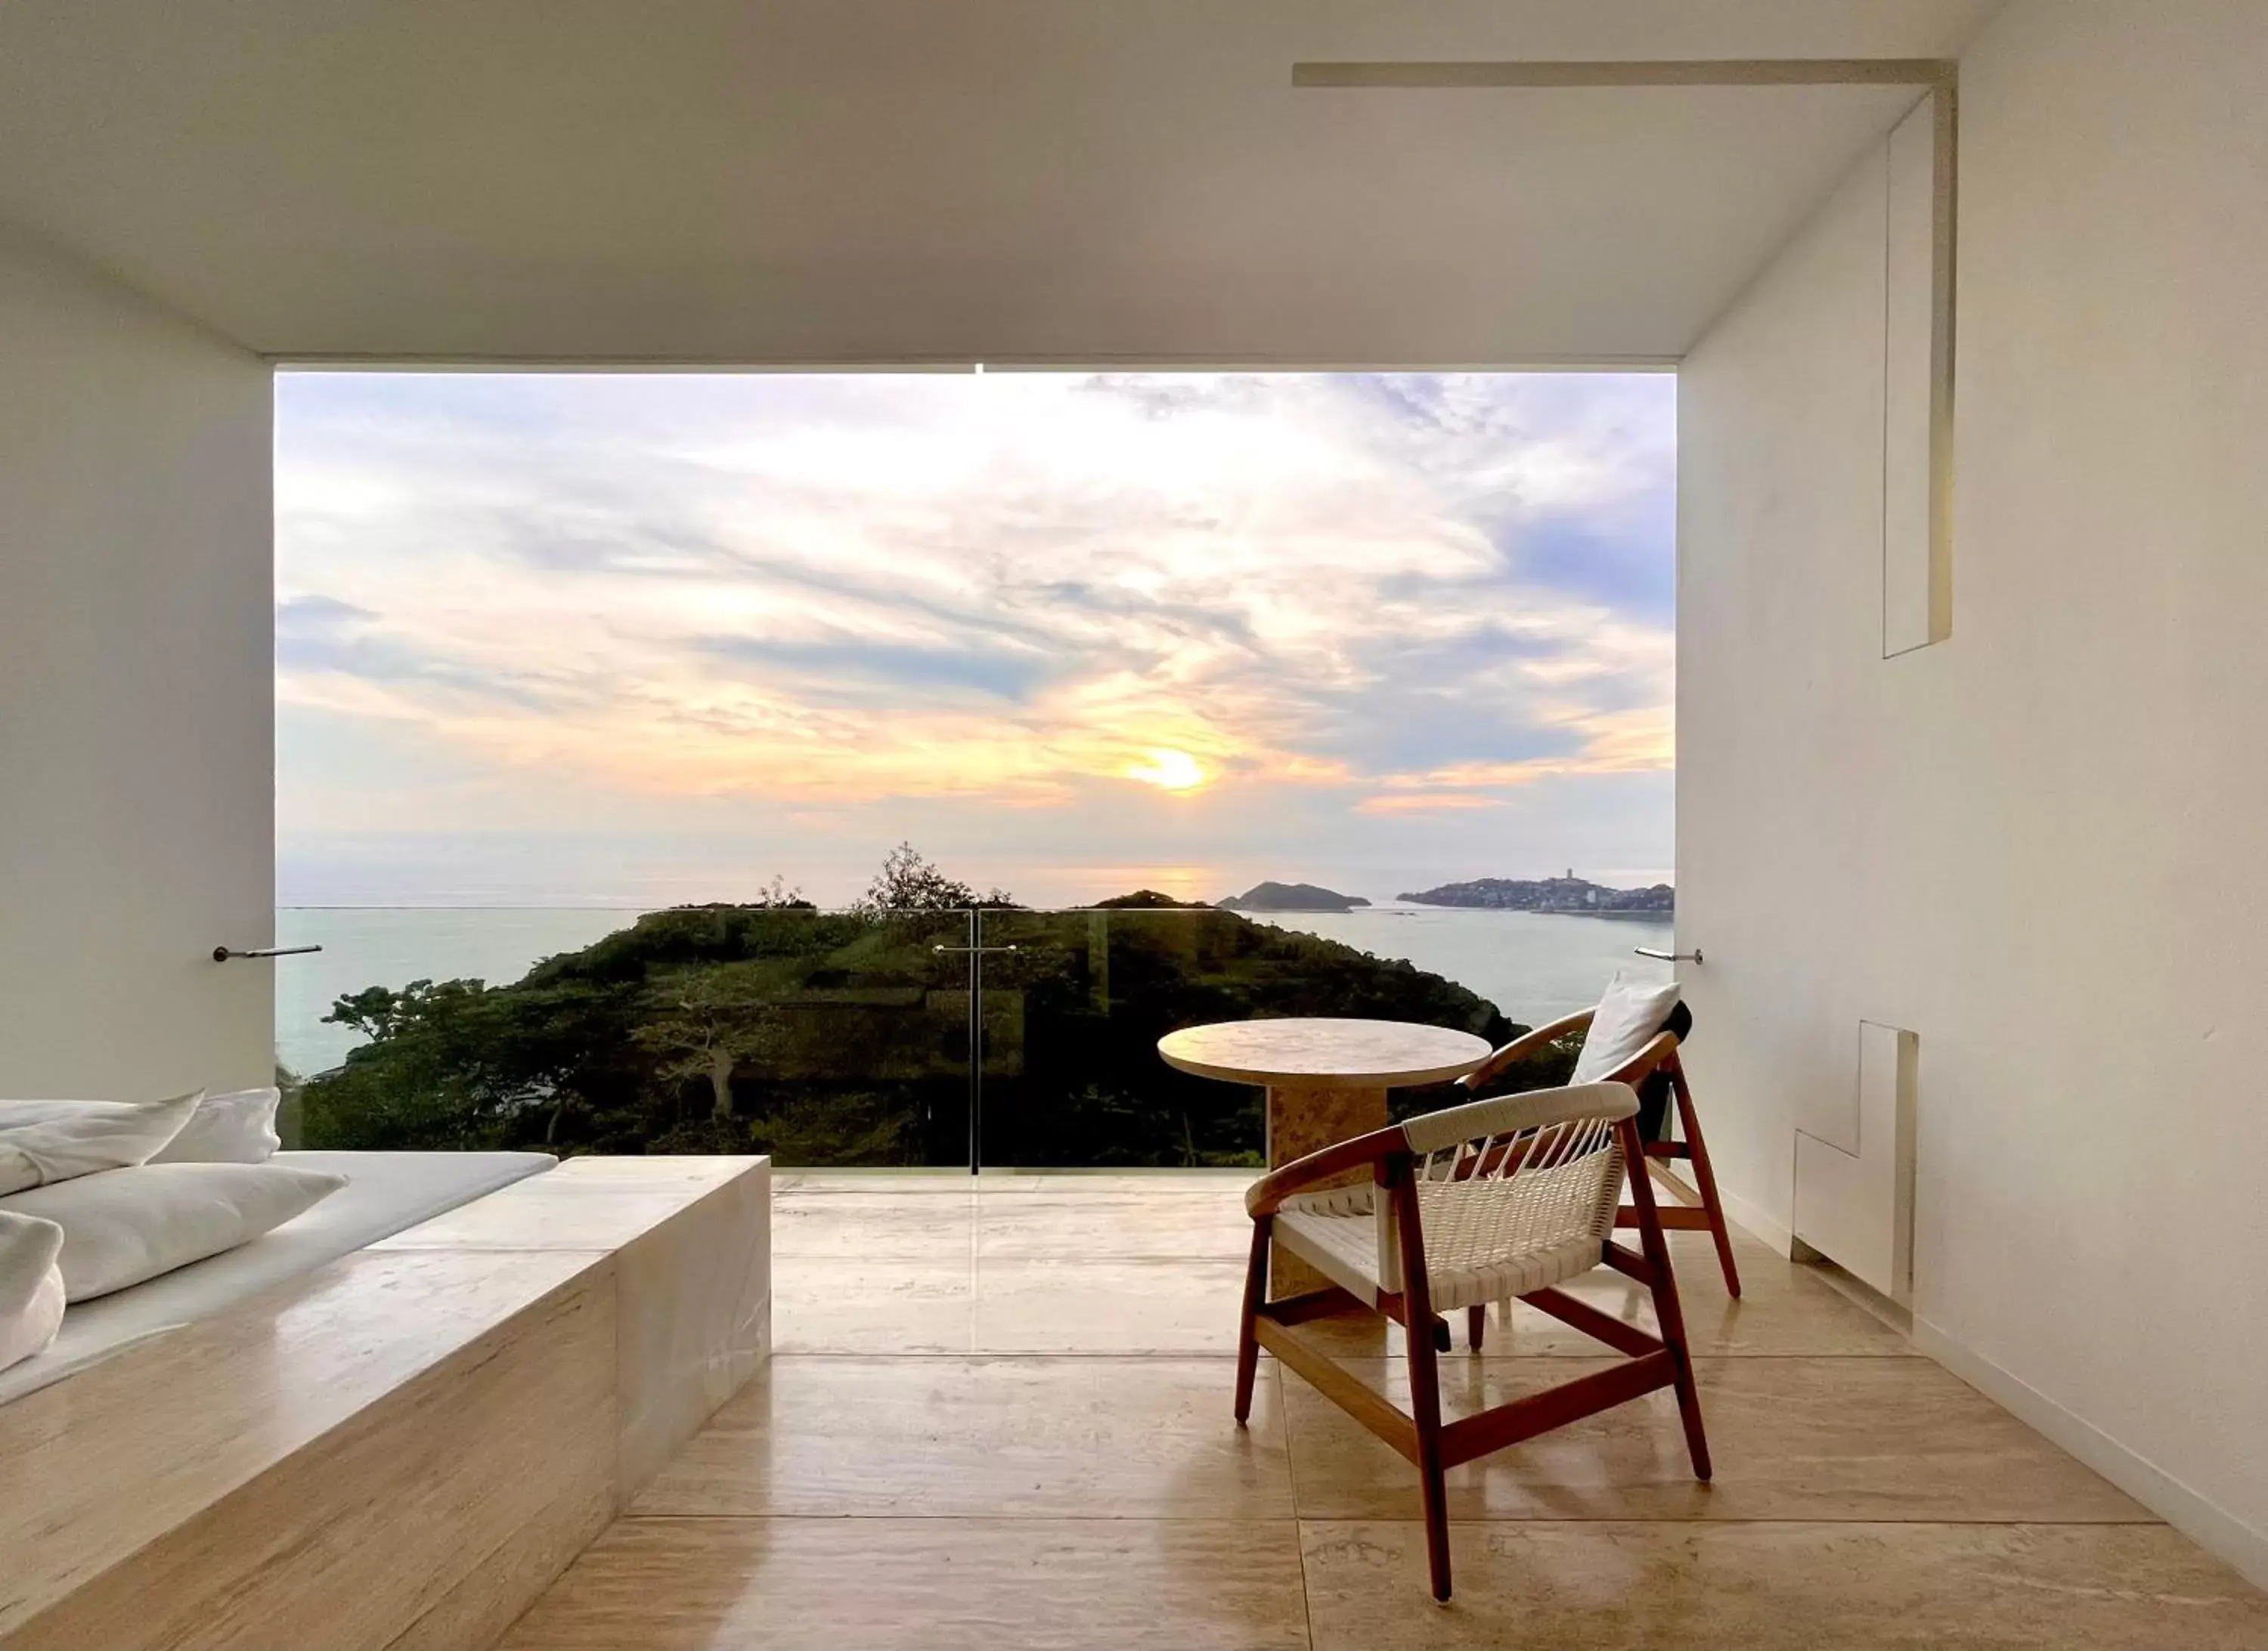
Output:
(1247, 1345)
(1426, 1407)
(1704, 1179)
(1424, 1383)
(1667, 1312)
(1476, 1325)
(1689, 1412)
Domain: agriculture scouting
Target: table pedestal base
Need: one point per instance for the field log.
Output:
(1303, 1121)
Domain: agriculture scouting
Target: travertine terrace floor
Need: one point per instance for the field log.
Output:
(999, 1418)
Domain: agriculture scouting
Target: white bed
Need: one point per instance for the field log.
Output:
(385, 1192)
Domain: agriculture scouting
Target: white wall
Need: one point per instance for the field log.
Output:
(136, 770)
(2043, 844)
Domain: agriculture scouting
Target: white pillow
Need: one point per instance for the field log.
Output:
(236, 1128)
(30, 1287)
(45, 1141)
(124, 1226)
(1626, 1020)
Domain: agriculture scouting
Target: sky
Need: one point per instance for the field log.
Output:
(615, 639)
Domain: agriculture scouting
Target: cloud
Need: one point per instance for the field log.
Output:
(852, 670)
(1353, 596)
(316, 616)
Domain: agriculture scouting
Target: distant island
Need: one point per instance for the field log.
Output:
(1568, 894)
(1291, 898)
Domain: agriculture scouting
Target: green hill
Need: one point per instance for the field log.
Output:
(832, 1038)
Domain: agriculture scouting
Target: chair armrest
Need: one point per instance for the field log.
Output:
(1641, 1065)
(1266, 1195)
(1526, 1044)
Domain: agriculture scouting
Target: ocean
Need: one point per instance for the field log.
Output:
(1533, 966)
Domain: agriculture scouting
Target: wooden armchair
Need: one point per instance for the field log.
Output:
(1658, 1057)
(1475, 1204)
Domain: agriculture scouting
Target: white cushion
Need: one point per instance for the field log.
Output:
(47, 1141)
(30, 1286)
(1627, 1019)
(27, 1334)
(236, 1128)
(124, 1226)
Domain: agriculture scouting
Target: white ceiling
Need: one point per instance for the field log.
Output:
(902, 180)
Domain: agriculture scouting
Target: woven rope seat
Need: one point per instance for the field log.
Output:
(1509, 1203)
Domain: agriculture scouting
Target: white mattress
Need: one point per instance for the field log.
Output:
(385, 1193)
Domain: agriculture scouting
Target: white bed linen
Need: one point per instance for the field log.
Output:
(385, 1193)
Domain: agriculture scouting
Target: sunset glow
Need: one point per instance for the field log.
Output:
(1167, 770)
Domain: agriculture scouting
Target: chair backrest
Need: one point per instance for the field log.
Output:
(1518, 1174)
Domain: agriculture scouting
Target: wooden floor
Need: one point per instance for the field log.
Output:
(998, 1417)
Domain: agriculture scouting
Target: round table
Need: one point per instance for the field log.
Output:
(1326, 1081)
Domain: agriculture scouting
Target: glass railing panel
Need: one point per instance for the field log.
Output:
(1075, 1002)
(845, 1038)
(825, 1038)
(1533, 966)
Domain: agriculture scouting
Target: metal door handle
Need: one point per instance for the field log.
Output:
(222, 954)
(1693, 956)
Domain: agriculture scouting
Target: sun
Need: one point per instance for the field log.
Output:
(1168, 769)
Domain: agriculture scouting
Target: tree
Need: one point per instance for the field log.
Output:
(779, 895)
(438, 1071)
(704, 1022)
(910, 881)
